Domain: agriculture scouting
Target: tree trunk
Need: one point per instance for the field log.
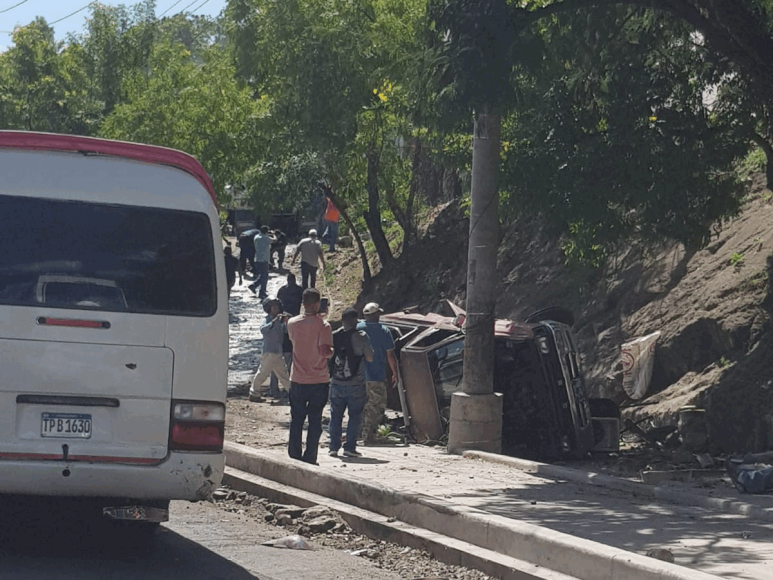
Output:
(373, 215)
(367, 277)
(476, 412)
(482, 257)
(767, 148)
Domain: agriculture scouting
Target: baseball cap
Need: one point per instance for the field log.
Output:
(313, 233)
(371, 308)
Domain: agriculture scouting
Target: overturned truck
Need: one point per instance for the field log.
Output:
(546, 410)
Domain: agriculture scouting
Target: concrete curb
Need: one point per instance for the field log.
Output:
(375, 526)
(641, 489)
(569, 555)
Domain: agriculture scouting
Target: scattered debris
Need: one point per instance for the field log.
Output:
(406, 562)
(661, 554)
(293, 542)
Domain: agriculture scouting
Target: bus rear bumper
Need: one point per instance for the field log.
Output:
(182, 475)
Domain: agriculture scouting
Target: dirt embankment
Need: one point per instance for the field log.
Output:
(713, 308)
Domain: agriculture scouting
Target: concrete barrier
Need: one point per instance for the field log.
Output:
(569, 555)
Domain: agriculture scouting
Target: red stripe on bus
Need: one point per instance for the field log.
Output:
(92, 458)
(137, 151)
(74, 323)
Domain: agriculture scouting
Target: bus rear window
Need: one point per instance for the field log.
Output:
(66, 254)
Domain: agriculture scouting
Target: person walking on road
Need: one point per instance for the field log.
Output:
(311, 253)
(246, 245)
(332, 216)
(347, 383)
(279, 246)
(263, 243)
(375, 372)
(291, 296)
(231, 269)
(271, 361)
(312, 341)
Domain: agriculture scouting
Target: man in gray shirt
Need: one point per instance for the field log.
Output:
(310, 250)
(347, 383)
(271, 360)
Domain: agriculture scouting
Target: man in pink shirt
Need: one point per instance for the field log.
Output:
(312, 340)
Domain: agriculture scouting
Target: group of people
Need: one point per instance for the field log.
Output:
(347, 367)
(257, 249)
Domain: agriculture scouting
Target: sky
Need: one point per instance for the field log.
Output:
(53, 10)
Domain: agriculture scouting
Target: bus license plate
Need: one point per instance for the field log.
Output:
(65, 425)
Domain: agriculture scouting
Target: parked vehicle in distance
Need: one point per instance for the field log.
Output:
(113, 325)
(546, 410)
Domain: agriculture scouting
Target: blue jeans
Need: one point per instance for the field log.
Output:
(306, 401)
(261, 278)
(342, 397)
(331, 234)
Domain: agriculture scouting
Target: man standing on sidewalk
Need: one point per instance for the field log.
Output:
(262, 258)
(312, 341)
(375, 372)
(347, 383)
(311, 253)
(271, 361)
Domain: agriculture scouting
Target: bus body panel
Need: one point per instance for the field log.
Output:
(118, 363)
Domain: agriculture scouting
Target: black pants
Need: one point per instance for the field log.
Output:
(306, 401)
(308, 275)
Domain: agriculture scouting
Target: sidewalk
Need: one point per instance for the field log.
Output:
(727, 545)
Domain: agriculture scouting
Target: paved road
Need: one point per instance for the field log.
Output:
(200, 542)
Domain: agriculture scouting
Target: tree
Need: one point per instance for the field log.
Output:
(42, 84)
(333, 71)
(616, 138)
(198, 109)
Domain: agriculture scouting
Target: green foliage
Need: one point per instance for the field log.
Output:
(736, 260)
(753, 162)
(614, 140)
(197, 109)
(723, 362)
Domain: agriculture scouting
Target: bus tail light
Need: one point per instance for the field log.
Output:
(197, 426)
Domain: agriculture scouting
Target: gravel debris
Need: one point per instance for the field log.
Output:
(410, 563)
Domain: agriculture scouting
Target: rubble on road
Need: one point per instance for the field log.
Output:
(327, 528)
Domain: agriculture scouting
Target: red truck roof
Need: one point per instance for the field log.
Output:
(135, 151)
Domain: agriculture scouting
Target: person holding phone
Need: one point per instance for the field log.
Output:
(312, 340)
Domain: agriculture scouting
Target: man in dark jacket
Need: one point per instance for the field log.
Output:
(247, 250)
(291, 295)
(279, 247)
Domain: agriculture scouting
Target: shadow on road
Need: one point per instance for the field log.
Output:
(51, 538)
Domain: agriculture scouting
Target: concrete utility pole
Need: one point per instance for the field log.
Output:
(476, 413)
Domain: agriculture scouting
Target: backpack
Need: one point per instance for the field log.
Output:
(344, 364)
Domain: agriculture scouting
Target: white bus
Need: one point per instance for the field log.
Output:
(113, 324)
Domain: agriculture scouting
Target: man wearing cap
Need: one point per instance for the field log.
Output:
(311, 253)
(312, 341)
(271, 361)
(375, 372)
(351, 350)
